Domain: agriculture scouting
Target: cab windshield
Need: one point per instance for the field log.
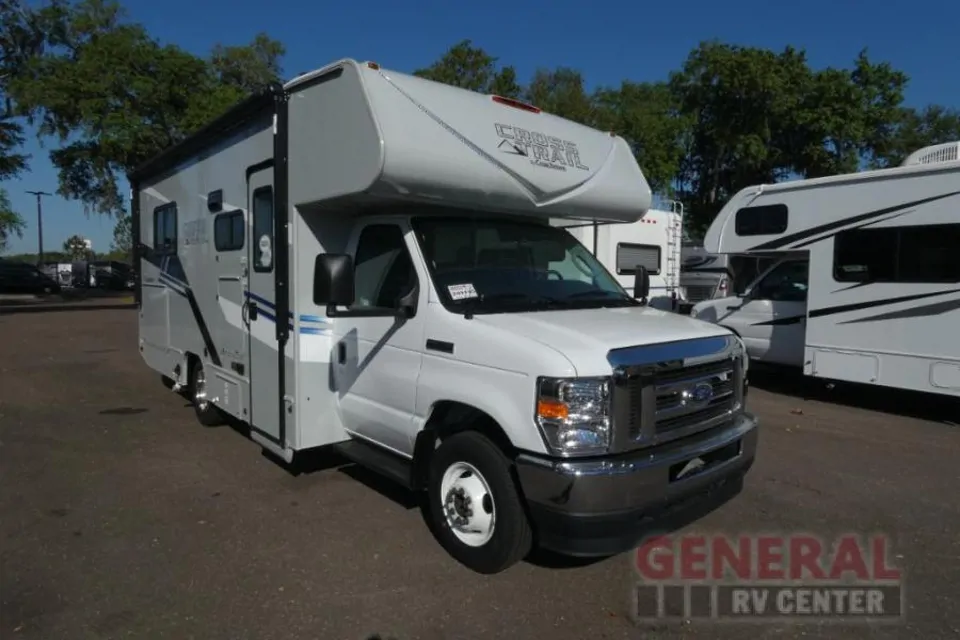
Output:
(492, 265)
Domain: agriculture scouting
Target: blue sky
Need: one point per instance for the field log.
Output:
(607, 41)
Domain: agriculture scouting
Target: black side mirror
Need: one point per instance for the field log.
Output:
(333, 280)
(641, 283)
(407, 305)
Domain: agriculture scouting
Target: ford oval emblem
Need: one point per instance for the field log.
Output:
(702, 392)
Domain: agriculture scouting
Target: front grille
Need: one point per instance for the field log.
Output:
(683, 400)
(697, 293)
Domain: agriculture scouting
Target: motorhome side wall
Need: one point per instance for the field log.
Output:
(643, 242)
(191, 292)
(901, 334)
(620, 247)
(334, 151)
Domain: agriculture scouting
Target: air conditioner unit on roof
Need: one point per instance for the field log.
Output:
(945, 152)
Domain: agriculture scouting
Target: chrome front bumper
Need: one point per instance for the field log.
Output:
(600, 506)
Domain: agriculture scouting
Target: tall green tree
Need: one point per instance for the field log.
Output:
(25, 33)
(113, 96)
(122, 244)
(76, 247)
(742, 101)
(846, 118)
(11, 222)
(915, 129)
(647, 115)
(561, 92)
(248, 68)
(470, 67)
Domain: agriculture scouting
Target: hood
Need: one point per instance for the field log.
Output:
(585, 336)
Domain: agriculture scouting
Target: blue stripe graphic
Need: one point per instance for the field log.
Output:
(270, 314)
(322, 330)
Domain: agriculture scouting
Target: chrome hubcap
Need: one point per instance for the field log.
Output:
(200, 391)
(468, 504)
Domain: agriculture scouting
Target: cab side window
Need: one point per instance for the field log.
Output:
(384, 271)
(786, 283)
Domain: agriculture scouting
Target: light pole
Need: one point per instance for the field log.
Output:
(39, 195)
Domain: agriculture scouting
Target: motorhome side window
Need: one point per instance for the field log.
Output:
(228, 231)
(767, 220)
(263, 245)
(926, 253)
(165, 228)
(384, 272)
(630, 256)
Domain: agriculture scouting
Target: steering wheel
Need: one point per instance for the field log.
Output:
(548, 272)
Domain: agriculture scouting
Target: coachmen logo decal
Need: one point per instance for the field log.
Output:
(542, 150)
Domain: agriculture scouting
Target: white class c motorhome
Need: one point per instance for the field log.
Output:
(653, 242)
(363, 259)
(866, 283)
(705, 276)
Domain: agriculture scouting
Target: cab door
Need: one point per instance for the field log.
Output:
(377, 352)
(772, 316)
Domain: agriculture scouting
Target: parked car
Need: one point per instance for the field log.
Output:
(20, 277)
(109, 274)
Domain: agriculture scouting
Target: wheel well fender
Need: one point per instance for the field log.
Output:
(447, 418)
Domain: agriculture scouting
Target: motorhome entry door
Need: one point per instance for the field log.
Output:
(259, 311)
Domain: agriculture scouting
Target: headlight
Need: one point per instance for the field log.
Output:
(574, 414)
(744, 356)
(744, 365)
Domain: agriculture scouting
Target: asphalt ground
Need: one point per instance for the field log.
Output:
(122, 517)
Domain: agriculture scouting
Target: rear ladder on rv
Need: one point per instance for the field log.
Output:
(674, 247)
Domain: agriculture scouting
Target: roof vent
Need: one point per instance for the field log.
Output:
(946, 152)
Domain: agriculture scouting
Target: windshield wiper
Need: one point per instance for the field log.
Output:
(591, 293)
(606, 298)
(599, 294)
(540, 301)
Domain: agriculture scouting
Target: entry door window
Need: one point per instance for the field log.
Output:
(384, 272)
(786, 283)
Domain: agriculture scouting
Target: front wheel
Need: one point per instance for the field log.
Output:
(474, 506)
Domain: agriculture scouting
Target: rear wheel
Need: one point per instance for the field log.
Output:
(474, 506)
(207, 413)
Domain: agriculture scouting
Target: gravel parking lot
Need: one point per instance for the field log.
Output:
(122, 517)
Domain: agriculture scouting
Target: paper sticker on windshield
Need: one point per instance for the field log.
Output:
(462, 291)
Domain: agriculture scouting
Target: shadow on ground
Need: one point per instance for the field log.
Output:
(670, 519)
(910, 404)
(68, 300)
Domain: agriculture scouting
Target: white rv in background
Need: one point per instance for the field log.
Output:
(364, 259)
(705, 276)
(653, 242)
(866, 283)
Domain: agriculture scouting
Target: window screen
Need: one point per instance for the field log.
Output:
(228, 231)
(767, 220)
(630, 256)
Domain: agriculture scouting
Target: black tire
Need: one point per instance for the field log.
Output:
(207, 413)
(512, 537)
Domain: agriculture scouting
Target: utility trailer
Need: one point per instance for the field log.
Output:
(362, 259)
(866, 282)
